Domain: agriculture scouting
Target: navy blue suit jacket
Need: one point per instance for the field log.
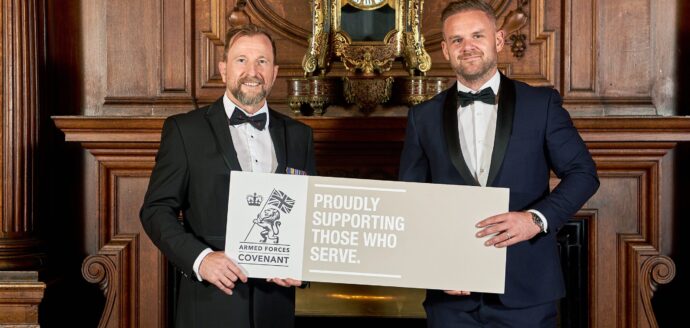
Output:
(534, 135)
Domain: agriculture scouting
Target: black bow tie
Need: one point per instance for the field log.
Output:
(239, 117)
(486, 96)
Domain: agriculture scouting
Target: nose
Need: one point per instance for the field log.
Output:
(251, 69)
(467, 44)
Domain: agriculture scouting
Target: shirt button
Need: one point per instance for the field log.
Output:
(481, 171)
(256, 161)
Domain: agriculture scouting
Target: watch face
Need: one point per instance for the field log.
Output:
(367, 4)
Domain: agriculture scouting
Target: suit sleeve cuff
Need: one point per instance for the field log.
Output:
(197, 262)
(542, 218)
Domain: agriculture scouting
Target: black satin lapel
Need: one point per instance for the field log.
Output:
(276, 127)
(218, 121)
(504, 126)
(450, 127)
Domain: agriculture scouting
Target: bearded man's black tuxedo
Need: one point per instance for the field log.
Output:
(191, 177)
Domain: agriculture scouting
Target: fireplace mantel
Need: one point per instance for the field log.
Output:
(630, 219)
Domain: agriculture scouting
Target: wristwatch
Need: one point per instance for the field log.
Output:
(537, 220)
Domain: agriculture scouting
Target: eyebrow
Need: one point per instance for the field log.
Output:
(245, 56)
(479, 31)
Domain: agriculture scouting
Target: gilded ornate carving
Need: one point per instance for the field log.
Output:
(416, 57)
(363, 60)
(367, 92)
(317, 91)
(412, 90)
(298, 93)
(367, 59)
(316, 59)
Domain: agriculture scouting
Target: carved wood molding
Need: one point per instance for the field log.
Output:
(636, 276)
(546, 41)
(211, 38)
(261, 10)
(20, 295)
(19, 92)
(144, 132)
(119, 233)
(112, 269)
(634, 129)
(656, 270)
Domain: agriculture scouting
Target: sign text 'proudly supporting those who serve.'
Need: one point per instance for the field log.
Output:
(341, 223)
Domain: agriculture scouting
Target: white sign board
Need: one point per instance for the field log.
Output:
(367, 232)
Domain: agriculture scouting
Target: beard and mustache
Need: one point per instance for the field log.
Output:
(470, 74)
(249, 99)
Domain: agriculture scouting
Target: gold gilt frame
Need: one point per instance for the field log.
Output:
(366, 57)
(366, 62)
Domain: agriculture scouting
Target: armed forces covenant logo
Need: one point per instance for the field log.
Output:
(262, 246)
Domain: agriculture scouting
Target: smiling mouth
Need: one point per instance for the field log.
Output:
(470, 58)
(251, 82)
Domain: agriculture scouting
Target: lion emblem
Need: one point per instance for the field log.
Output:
(269, 222)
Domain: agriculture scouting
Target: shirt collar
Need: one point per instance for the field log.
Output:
(230, 107)
(494, 82)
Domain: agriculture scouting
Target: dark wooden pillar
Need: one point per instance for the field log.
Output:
(19, 49)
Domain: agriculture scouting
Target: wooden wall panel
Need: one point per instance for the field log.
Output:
(127, 260)
(175, 55)
(580, 29)
(127, 187)
(619, 55)
(210, 25)
(132, 38)
(606, 57)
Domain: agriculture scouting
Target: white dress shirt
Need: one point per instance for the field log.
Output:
(477, 131)
(254, 147)
(255, 152)
(477, 127)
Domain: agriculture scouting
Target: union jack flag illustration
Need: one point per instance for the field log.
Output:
(281, 201)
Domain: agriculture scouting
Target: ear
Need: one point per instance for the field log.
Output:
(221, 67)
(444, 47)
(500, 40)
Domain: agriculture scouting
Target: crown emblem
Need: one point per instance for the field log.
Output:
(254, 200)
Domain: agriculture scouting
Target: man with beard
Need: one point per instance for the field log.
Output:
(489, 130)
(191, 180)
